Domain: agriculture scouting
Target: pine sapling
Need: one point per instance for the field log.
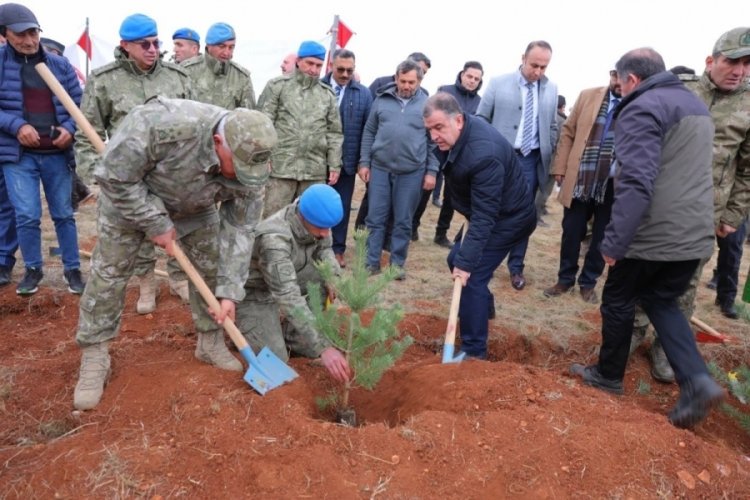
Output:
(369, 349)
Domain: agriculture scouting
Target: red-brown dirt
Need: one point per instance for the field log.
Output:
(170, 426)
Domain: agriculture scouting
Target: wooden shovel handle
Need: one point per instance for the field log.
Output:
(450, 331)
(51, 81)
(706, 328)
(208, 296)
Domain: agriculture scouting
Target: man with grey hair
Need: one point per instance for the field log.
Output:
(222, 157)
(397, 162)
(661, 227)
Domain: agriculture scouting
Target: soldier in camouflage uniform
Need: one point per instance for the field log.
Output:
(725, 90)
(137, 74)
(305, 113)
(215, 77)
(282, 270)
(161, 176)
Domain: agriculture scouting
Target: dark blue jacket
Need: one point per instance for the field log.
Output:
(487, 186)
(467, 99)
(11, 98)
(354, 110)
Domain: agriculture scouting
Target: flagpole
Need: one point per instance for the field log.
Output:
(88, 48)
(334, 39)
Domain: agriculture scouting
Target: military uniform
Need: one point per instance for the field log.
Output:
(225, 84)
(116, 88)
(160, 170)
(306, 116)
(281, 272)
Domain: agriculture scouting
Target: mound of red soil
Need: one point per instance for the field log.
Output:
(171, 426)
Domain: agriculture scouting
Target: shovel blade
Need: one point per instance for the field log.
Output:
(448, 350)
(266, 371)
(707, 338)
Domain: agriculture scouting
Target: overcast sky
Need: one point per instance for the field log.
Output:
(587, 36)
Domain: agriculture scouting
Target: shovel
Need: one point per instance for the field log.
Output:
(265, 371)
(450, 332)
(708, 335)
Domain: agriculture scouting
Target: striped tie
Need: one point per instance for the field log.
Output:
(527, 138)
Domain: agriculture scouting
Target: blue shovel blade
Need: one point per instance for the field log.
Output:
(266, 371)
(448, 350)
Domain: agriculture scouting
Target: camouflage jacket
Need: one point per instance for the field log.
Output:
(116, 88)
(160, 170)
(306, 116)
(731, 155)
(225, 84)
(282, 269)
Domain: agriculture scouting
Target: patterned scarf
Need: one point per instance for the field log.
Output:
(597, 158)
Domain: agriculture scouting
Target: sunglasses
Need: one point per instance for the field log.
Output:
(348, 71)
(146, 44)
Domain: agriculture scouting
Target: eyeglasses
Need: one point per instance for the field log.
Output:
(146, 44)
(348, 71)
(613, 73)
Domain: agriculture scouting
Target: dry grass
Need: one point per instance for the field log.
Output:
(427, 289)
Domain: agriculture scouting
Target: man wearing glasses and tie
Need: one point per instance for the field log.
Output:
(137, 74)
(354, 101)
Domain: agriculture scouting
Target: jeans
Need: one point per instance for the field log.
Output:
(574, 228)
(401, 194)
(528, 166)
(8, 236)
(656, 286)
(22, 181)
(728, 264)
(345, 187)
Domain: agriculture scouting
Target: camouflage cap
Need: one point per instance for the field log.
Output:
(251, 137)
(734, 44)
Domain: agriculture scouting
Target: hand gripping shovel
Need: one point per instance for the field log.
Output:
(265, 371)
(450, 332)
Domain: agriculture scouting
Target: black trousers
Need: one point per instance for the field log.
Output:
(656, 285)
(728, 264)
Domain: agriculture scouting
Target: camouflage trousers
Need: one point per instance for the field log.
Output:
(113, 263)
(260, 322)
(281, 192)
(686, 301)
(146, 262)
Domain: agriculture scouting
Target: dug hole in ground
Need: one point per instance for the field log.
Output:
(170, 426)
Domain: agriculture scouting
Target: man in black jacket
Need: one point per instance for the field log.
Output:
(486, 185)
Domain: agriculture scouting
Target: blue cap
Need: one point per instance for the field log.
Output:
(136, 27)
(218, 33)
(311, 48)
(321, 206)
(187, 34)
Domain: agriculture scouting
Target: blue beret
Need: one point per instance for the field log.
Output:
(218, 33)
(136, 27)
(311, 48)
(321, 206)
(187, 34)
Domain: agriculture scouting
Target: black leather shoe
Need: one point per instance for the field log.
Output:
(5, 275)
(727, 308)
(517, 281)
(592, 377)
(697, 396)
(442, 240)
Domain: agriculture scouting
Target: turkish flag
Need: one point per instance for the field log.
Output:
(85, 43)
(344, 34)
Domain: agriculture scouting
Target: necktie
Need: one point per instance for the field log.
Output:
(337, 89)
(608, 121)
(528, 120)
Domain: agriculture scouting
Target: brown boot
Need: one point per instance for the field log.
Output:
(93, 375)
(147, 298)
(556, 290)
(180, 289)
(212, 350)
(661, 370)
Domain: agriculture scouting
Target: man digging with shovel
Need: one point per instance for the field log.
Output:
(161, 176)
